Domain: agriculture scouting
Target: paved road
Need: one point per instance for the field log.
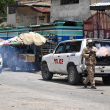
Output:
(27, 91)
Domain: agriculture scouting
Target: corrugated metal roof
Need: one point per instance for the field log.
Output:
(36, 2)
(42, 9)
(101, 5)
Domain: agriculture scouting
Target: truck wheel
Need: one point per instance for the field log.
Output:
(73, 76)
(106, 79)
(46, 75)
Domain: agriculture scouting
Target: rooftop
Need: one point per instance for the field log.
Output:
(42, 9)
(35, 3)
(101, 5)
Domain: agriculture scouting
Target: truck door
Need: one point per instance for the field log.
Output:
(64, 58)
(56, 58)
(70, 51)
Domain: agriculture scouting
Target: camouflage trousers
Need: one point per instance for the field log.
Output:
(90, 77)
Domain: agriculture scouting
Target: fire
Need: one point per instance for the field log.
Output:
(103, 51)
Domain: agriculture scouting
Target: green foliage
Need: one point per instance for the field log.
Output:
(3, 5)
(2, 26)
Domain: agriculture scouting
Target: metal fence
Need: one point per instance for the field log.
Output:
(97, 26)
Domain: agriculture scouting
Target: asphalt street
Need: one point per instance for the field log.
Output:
(28, 91)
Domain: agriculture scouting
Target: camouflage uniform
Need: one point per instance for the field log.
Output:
(90, 62)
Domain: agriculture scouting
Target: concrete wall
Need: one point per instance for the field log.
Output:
(11, 20)
(25, 16)
(72, 12)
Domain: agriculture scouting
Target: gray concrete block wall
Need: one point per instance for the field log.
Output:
(71, 12)
(26, 16)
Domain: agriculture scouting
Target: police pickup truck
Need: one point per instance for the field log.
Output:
(66, 59)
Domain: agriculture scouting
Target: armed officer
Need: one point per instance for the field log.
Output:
(90, 61)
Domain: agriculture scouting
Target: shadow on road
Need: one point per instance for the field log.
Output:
(29, 71)
(64, 81)
(61, 79)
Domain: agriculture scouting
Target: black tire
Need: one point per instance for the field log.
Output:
(106, 79)
(73, 76)
(46, 75)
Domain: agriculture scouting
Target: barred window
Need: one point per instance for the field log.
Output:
(64, 2)
(41, 17)
(12, 10)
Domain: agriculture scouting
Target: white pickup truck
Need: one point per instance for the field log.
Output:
(66, 59)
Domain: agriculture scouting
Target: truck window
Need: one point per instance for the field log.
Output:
(59, 49)
(72, 47)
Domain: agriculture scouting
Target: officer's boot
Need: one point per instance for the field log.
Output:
(93, 87)
(85, 85)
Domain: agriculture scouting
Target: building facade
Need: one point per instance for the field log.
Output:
(71, 10)
(26, 12)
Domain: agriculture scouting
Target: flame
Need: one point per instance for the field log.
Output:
(103, 51)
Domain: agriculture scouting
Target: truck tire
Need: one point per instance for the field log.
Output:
(46, 75)
(73, 76)
(106, 79)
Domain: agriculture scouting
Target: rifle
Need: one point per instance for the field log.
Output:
(91, 52)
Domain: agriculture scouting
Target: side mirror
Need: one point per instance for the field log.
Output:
(51, 51)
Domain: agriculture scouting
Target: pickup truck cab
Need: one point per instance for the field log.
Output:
(66, 59)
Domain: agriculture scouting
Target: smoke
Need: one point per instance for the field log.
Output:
(102, 50)
(11, 59)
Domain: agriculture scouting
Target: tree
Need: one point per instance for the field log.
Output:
(3, 5)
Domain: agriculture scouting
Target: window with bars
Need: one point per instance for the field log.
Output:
(12, 10)
(65, 2)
